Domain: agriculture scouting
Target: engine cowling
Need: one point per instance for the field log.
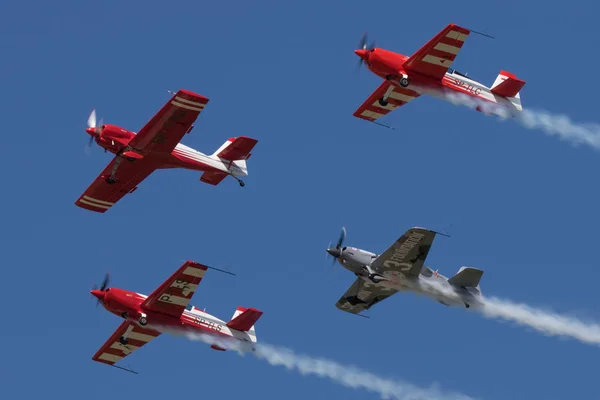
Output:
(114, 132)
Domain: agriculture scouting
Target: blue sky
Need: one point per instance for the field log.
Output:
(518, 204)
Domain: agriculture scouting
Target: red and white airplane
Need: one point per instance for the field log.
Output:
(428, 72)
(156, 146)
(167, 310)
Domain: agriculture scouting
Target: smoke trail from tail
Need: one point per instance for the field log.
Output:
(345, 375)
(350, 376)
(547, 322)
(552, 124)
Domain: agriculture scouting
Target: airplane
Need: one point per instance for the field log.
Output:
(156, 146)
(167, 310)
(401, 268)
(428, 71)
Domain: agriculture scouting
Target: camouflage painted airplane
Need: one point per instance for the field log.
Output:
(401, 269)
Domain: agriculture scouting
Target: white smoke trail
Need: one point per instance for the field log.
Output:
(552, 124)
(345, 375)
(351, 376)
(547, 322)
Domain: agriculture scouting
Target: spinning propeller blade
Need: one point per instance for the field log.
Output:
(102, 287)
(92, 119)
(362, 45)
(337, 251)
(91, 122)
(342, 238)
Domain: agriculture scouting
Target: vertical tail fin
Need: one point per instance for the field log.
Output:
(466, 277)
(233, 153)
(243, 319)
(235, 149)
(508, 85)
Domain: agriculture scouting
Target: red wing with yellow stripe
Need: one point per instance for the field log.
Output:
(175, 293)
(166, 129)
(372, 109)
(434, 59)
(159, 136)
(126, 339)
(100, 195)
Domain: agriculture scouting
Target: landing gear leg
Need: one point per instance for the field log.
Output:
(241, 182)
(112, 179)
(384, 100)
(374, 276)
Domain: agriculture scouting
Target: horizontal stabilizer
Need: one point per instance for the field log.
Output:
(245, 319)
(213, 178)
(236, 148)
(466, 277)
(507, 85)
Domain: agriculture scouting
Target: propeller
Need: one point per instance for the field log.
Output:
(97, 129)
(102, 287)
(362, 45)
(336, 252)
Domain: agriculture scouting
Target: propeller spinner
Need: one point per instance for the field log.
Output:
(336, 251)
(93, 129)
(363, 50)
(99, 293)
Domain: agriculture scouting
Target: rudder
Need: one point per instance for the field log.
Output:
(243, 319)
(235, 149)
(466, 277)
(507, 85)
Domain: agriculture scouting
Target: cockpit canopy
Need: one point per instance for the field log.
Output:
(453, 71)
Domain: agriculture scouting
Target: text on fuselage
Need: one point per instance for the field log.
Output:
(467, 86)
(208, 323)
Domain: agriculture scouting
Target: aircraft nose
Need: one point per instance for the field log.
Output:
(362, 53)
(90, 131)
(99, 294)
(334, 252)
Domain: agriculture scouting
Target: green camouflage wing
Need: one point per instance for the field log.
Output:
(363, 295)
(407, 255)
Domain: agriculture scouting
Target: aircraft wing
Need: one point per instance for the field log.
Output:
(175, 293)
(113, 350)
(434, 59)
(407, 255)
(100, 195)
(371, 110)
(166, 129)
(362, 296)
